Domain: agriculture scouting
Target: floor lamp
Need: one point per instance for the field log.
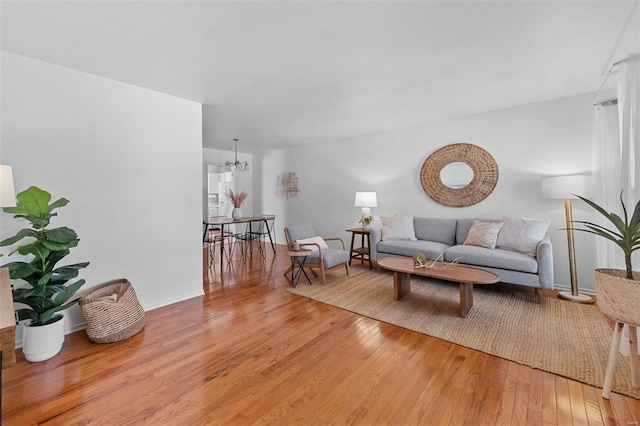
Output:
(566, 188)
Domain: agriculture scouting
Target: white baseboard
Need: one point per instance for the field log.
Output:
(82, 325)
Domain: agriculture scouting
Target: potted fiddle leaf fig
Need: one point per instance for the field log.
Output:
(43, 287)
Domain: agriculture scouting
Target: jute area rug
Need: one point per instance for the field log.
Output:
(564, 338)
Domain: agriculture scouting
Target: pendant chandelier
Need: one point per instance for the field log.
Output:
(240, 166)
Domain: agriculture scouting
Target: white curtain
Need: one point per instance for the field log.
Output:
(607, 156)
(616, 156)
(629, 118)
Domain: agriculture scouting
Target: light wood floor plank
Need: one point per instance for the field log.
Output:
(534, 408)
(507, 403)
(578, 410)
(549, 397)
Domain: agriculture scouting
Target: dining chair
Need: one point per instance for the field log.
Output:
(265, 229)
(213, 237)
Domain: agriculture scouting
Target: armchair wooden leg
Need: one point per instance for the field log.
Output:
(346, 266)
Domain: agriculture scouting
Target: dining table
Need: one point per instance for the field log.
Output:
(223, 222)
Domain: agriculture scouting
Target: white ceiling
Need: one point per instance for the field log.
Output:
(279, 74)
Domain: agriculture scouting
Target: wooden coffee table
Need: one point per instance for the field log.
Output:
(467, 276)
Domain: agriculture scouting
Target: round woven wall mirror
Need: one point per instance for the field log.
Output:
(482, 164)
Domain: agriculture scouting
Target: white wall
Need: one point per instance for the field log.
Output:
(528, 143)
(127, 158)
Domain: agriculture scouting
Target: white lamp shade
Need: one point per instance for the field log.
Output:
(7, 191)
(366, 199)
(564, 187)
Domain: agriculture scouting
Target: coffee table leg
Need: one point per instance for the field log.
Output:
(466, 298)
(401, 284)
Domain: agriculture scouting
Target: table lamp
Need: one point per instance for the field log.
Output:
(566, 188)
(366, 200)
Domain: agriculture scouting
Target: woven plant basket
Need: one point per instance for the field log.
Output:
(112, 311)
(619, 297)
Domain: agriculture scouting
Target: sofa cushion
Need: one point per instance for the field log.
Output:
(397, 228)
(463, 226)
(435, 229)
(330, 257)
(522, 234)
(503, 259)
(430, 249)
(483, 234)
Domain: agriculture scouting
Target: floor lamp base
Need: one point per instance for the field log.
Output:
(577, 298)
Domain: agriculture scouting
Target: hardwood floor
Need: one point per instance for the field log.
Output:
(250, 352)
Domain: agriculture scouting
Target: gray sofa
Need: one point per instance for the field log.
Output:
(435, 235)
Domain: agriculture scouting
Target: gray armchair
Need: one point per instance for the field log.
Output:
(323, 258)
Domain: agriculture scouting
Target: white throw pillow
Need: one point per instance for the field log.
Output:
(522, 234)
(483, 234)
(397, 228)
(318, 240)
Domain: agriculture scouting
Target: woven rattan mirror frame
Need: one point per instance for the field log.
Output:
(485, 175)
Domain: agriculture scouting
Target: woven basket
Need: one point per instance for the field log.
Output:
(619, 297)
(108, 320)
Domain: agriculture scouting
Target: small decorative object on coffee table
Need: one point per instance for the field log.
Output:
(403, 267)
(419, 260)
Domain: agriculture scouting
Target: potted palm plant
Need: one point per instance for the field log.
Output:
(617, 290)
(625, 233)
(615, 287)
(47, 290)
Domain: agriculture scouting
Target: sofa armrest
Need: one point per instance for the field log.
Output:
(544, 256)
(376, 237)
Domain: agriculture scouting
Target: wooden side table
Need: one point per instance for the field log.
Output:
(363, 252)
(298, 257)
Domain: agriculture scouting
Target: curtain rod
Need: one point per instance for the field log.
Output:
(615, 64)
(606, 77)
(607, 102)
(632, 13)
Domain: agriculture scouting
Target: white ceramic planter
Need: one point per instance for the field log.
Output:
(236, 213)
(42, 342)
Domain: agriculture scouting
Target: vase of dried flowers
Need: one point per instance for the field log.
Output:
(237, 200)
